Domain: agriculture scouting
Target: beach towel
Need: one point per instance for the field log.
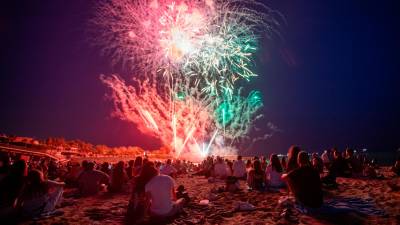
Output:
(343, 206)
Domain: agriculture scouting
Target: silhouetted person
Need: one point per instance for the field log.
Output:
(292, 158)
(304, 182)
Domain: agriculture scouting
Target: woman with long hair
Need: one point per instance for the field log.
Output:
(292, 158)
(39, 196)
(273, 172)
(256, 177)
(138, 204)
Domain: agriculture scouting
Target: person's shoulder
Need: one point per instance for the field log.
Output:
(165, 177)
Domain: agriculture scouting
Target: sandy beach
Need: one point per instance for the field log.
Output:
(110, 209)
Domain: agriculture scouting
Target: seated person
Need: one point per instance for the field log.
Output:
(338, 168)
(256, 177)
(138, 204)
(326, 158)
(39, 196)
(396, 167)
(90, 180)
(119, 178)
(168, 169)
(355, 164)
(181, 193)
(239, 168)
(221, 170)
(304, 182)
(273, 173)
(10, 187)
(160, 192)
(317, 163)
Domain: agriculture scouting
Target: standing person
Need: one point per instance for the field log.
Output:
(239, 168)
(274, 172)
(256, 177)
(90, 180)
(168, 169)
(292, 158)
(304, 182)
(39, 196)
(160, 191)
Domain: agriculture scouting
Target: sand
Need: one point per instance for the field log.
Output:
(110, 209)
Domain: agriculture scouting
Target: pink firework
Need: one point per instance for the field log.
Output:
(181, 122)
(150, 34)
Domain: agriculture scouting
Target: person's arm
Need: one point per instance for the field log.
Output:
(54, 184)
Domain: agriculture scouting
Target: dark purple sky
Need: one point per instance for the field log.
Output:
(333, 81)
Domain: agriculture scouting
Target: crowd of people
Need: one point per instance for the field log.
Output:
(33, 188)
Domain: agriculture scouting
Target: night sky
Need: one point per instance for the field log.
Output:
(333, 80)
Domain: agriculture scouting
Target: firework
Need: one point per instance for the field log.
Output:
(177, 122)
(210, 42)
(190, 55)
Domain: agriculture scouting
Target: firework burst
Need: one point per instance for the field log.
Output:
(190, 53)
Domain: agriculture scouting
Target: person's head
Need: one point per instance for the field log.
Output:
(169, 162)
(120, 166)
(138, 161)
(337, 155)
(275, 163)
(239, 157)
(90, 166)
(180, 188)
(303, 159)
(35, 177)
(84, 164)
(315, 155)
(248, 163)
(19, 168)
(147, 172)
(263, 159)
(292, 156)
(349, 152)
